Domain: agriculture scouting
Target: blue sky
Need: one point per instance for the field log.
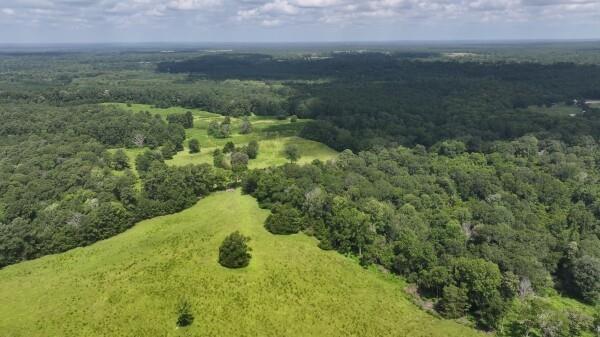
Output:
(50, 21)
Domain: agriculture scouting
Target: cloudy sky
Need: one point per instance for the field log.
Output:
(295, 20)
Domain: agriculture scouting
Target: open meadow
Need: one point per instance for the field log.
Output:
(131, 284)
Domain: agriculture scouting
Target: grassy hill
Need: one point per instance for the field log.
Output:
(271, 133)
(130, 285)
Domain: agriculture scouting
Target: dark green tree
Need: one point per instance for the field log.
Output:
(234, 251)
(586, 276)
(194, 145)
(252, 149)
(454, 302)
(284, 220)
(119, 160)
(229, 147)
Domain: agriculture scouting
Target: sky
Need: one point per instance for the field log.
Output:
(92, 21)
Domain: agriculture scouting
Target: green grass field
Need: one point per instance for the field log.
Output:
(557, 110)
(272, 135)
(130, 285)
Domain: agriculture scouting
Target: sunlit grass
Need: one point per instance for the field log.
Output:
(271, 133)
(130, 285)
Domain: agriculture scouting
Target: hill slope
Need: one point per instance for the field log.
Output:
(130, 285)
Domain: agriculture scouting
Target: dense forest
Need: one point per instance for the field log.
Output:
(58, 187)
(380, 99)
(476, 179)
(473, 230)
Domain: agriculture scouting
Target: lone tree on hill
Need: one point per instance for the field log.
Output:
(292, 152)
(234, 251)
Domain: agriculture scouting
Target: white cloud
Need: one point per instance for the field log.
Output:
(245, 15)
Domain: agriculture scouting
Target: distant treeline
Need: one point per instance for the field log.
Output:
(378, 99)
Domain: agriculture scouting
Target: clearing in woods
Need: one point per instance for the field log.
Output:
(272, 135)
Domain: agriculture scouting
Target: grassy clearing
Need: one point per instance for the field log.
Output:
(272, 135)
(557, 110)
(130, 285)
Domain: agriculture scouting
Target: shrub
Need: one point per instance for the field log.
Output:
(184, 314)
(234, 251)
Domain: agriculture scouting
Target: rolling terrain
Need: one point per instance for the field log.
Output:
(272, 135)
(130, 285)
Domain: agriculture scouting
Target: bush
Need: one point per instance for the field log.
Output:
(194, 145)
(184, 314)
(234, 251)
(284, 220)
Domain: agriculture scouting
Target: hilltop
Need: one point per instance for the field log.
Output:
(130, 285)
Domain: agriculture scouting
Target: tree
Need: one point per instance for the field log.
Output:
(239, 161)
(454, 302)
(284, 220)
(292, 152)
(120, 161)
(229, 147)
(184, 314)
(194, 145)
(246, 127)
(252, 149)
(586, 276)
(144, 160)
(168, 150)
(234, 251)
(219, 159)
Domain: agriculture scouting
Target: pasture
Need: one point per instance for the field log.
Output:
(131, 284)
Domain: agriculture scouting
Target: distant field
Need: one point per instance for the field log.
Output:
(272, 135)
(130, 285)
(560, 110)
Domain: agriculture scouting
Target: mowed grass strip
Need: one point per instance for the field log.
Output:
(130, 285)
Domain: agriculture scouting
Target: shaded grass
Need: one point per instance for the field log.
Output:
(131, 284)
